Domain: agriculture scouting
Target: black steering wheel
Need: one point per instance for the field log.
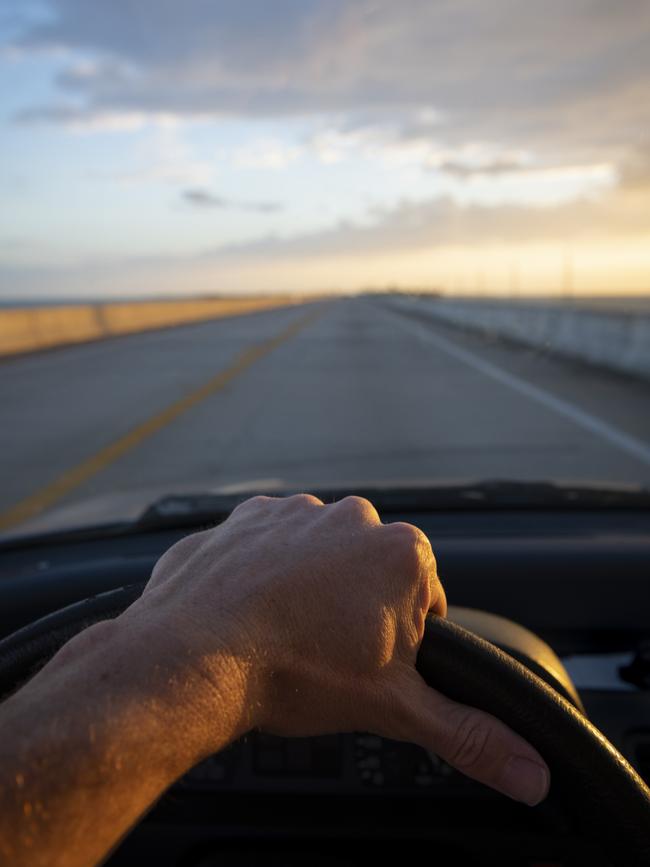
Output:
(607, 798)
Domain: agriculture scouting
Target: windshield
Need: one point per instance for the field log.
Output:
(312, 244)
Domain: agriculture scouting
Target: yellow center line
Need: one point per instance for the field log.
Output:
(48, 495)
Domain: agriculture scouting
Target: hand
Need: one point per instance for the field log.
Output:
(324, 607)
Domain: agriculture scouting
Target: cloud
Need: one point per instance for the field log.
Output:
(512, 95)
(201, 198)
(471, 90)
(500, 166)
(412, 239)
(80, 120)
(635, 170)
(266, 154)
(463, 69)
(442, 222)
(204, 199)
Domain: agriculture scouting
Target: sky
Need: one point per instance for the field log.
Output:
(218, 146)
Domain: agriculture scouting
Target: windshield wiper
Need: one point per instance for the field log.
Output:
(204, 510)
(190, 509)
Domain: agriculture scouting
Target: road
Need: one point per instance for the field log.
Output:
(330, 393)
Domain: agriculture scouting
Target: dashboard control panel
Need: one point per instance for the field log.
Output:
(355, 762)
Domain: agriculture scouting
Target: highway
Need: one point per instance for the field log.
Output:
(330, 393)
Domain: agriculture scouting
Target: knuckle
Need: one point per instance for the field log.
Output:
(357, 505)
(303, 500)
(408, 534)
(256, 502)
(188, 544)
(354, 502)
(470, 744)
(178, 554)
(411, 541)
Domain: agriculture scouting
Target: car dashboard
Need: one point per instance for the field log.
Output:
(579, 579)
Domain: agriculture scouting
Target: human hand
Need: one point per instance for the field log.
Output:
(323, 608)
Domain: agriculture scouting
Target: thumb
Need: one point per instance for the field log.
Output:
(475, 743)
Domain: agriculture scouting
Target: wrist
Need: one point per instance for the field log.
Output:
(206, 686)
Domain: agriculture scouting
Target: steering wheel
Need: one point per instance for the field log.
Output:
(606, 797)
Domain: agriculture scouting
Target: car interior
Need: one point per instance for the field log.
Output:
(393, 250)
(353, 798)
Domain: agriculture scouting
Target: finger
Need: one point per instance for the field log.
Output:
(402, 533)
(473, 742)
(438, 597)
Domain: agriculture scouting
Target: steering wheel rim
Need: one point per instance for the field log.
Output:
(604, 794)
(596, 784)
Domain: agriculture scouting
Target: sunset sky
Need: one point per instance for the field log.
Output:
(495, 146)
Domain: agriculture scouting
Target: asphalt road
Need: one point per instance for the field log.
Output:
(332, 393)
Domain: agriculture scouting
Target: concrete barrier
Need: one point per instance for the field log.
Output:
(616, 340)
(26, 329)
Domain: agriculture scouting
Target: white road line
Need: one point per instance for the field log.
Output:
(626, 443)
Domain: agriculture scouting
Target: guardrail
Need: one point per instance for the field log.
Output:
(615, 340)
(25, 329)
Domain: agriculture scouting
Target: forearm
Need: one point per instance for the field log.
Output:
(94, 739)
(293, 617)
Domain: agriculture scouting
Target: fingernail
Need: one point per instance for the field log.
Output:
(525, 780)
